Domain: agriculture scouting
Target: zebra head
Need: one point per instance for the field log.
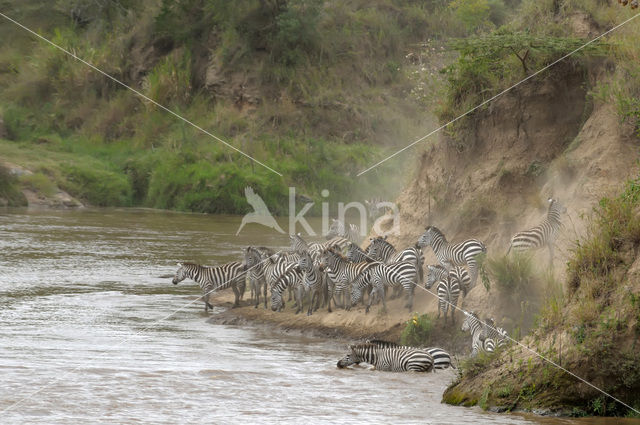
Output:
(336, 228)
(252, 257)
(427, 237)
(277, 304)
(436, 274)
(469, 319)
(297, 243)
(556, 207)
(305, 263)
(181, 274)
(346, 361)
(377, 246)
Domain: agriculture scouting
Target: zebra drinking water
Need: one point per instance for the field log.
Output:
(392, 359)
(450, 255)
(544, 234)
(214, 278)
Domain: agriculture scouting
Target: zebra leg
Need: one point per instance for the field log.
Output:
(550, 255)
(236, 292)
(264, 286)
(242, 287)
(473, 271)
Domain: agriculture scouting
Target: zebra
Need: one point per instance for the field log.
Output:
(400, 274)
(341, 272)
(450, 255)
(542, 235)
(448, 289)
(315, 248)
(256, 275)
(375, 207)
(213, 278)
(271, 267)
(355, 254)
(480, 338)
(392, 359)
(340, 229)
(381, 249)
(313, 280)
(495, 332)
(441, 358)
(291, 278)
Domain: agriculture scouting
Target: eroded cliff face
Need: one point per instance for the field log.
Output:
(492, 177)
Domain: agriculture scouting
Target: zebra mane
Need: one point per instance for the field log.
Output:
(435, 230)
(381, 343)
(186, 263)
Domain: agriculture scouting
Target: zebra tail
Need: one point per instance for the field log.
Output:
(508, 250)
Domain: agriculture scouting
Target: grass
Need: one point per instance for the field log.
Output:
(10, 194)
(417, 331)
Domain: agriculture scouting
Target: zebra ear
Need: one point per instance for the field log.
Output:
(550, 200)
(179, 264)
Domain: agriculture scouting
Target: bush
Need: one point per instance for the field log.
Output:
(40, 183)
(97, 187)
(513, 273)
(10, 194)
(417, 332)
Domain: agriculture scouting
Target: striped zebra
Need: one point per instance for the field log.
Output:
(291, 278)
(355, 254)
(441, 358)
(381, 249)
(495, 332)
(480, 338)
(339, 229)
(401, 274)
(342, 273)
(271, 267)
(392, 359)
(256, 276)
(544, 234)
(315, 248)
(448, 288)
(375, 207)
(312, 280)
(214, 278)
(450, 255)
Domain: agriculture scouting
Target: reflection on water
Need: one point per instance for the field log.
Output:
(80, 297)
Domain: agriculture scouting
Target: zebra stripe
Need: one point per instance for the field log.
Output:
(480, 341)
(402, 273)
(312, 280)
(392, 359)
(215, 278)
(355, 254)
(382, 250)
(544, 234)
(341, 272)
(271, 267)
(450, 255)
(292, 278)
(375, 207)
(441, 358)
(339, 229)
(448, 289)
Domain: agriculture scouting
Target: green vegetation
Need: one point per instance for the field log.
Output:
(592, 330)
(10, 194)
(314, 89)
(417, 331)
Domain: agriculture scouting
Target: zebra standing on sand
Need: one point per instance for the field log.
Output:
(448, 288)
(392, 359)
(292, 278)
(312, 280)
(214, 278)
(544, 234)
(342, 273)
(401, 274)
(450, 255)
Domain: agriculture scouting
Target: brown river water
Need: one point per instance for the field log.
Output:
(90, 333)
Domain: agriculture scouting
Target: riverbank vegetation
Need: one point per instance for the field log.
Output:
(592, 329)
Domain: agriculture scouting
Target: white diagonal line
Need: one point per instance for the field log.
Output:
(175, 114)
(122, 341)
(499, 94)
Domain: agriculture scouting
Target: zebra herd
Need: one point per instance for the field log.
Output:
(339, 271)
